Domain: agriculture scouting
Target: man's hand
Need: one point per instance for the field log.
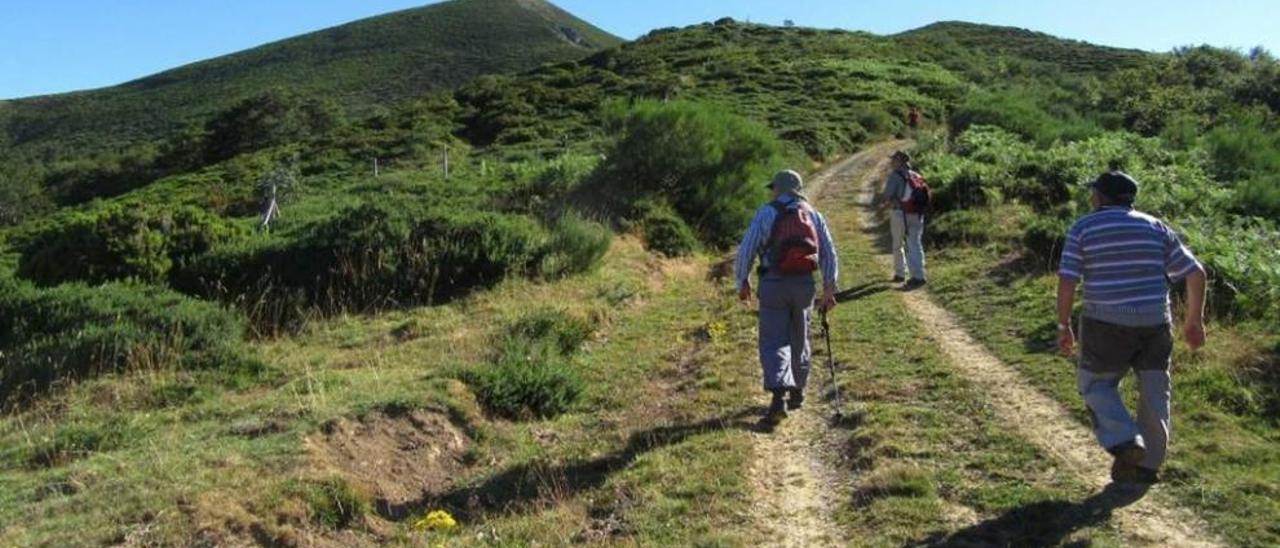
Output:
(1066, 341)
(744, 294)
(828, 299)
(1193, 332)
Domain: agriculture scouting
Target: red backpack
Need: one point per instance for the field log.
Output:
(793, 241)
(919, 197)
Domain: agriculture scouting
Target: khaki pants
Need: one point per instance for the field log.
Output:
(907, 241)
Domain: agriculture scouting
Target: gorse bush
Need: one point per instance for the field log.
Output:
(708, 164)
(377, 255)
(528, 375)
(576, 245)
(121, 242)
(74, 331)
(666, 233)
(528, 378)
(566, 332)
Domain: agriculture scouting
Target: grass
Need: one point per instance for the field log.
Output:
(1222, 460)
(165, 456)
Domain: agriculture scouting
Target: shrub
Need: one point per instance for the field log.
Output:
(576, 245)
(709, 164)
(565, 332)
(527, 379)
(667, 233)
(74, 331)
(1044, 238)
(121, 242)
(370, 257)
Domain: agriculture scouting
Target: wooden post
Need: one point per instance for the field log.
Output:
(446, 163)
(375, 167)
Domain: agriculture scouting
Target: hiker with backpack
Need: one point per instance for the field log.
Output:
(792, 241)
(907, 197)
(1127, 260)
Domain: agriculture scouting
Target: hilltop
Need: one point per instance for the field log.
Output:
(359, 65)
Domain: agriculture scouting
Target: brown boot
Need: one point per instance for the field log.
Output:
(1125, 467)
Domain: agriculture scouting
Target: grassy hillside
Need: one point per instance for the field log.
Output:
(955, 43)
(359, 65)
(485, 336)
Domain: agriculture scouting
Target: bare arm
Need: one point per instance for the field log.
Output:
(1193, 325)
(1066, 301)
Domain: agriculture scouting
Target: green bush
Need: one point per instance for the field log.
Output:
(527, 379)
(121, 242)
(576, 245)
(1043, 240)
(74, 331)
(375, 256)
(565, 332)
(1023, 110)
(667, 233)
(709, 164)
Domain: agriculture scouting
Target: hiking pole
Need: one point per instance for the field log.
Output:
(831, 365)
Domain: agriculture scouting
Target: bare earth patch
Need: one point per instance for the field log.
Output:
(398, 458)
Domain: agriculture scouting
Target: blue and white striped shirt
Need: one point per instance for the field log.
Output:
(757, 236)
(1127, 260)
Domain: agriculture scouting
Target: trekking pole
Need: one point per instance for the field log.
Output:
(831, 365)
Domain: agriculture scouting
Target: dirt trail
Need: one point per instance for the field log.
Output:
(793, 484)
(1154, 520)
(796, 488)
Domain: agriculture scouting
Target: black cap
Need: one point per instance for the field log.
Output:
(1116, 185)
(901, 155)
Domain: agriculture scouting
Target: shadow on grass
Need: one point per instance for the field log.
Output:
(1046, 523)
(863, 291)
(522, 487)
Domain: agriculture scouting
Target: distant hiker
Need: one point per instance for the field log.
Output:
(1127, 260)
(906, 196)
(913, 118)
(792, 241)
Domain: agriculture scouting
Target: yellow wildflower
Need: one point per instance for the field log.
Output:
(436, 520)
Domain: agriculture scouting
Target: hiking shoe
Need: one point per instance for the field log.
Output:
(1125, 467)
(777, 409)
(899, 279)
(1147, 476)
(796, 400)
(914, 283)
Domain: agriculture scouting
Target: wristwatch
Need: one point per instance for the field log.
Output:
(1063, 327)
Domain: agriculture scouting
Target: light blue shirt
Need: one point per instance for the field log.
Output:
(757, 236)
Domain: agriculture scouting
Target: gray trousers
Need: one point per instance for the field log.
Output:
(786, 304)
(1107, 353)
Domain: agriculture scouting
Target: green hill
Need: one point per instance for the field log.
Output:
(360, 65)
(538, 338)
(952, 42)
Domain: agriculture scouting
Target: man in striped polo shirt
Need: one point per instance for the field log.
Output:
(1127, 259)
(786, 300)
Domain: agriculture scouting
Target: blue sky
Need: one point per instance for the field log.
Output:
(51, 46)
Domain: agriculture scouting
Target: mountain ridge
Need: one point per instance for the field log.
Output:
(360, 64)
